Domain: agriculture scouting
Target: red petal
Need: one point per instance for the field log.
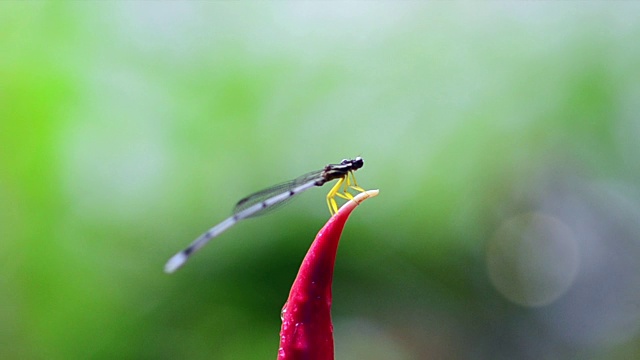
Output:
(307, 331)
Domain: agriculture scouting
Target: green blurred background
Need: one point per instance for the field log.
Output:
(504, 139)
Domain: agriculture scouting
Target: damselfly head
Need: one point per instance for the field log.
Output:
(357, 163)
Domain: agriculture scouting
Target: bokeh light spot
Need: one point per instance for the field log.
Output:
(532, 259)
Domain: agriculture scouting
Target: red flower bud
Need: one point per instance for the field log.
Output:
(307, 331)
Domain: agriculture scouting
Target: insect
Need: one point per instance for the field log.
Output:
(262, 201)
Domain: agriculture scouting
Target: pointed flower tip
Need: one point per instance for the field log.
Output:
(357, 200)
(307, 330)
(365, 195)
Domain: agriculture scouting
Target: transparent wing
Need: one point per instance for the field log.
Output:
(273, 191)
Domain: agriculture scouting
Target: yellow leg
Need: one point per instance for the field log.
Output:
(348, 185)
(344, 193)
(331, 201)
(341, 190)
(355, 184)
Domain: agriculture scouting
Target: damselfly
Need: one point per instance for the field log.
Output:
(260, 202)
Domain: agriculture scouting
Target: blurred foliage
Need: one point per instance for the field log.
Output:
(503, 138)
